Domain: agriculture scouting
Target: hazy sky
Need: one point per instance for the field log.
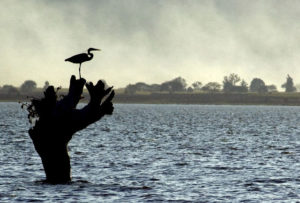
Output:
(150, 41)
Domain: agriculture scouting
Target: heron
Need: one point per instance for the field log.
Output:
(83, 57)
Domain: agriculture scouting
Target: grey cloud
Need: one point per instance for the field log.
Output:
(150, 41)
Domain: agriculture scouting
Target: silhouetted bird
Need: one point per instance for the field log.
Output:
(80, 58)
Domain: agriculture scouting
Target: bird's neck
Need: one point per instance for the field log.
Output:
(90, 55)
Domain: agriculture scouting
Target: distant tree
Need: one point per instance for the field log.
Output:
(141, 86)
(212, 87)
(258, 85)
(155, 87)
(28, 86)
(9, 89)
(230, 81)
(130, 89)
(239, 89)
(166, 87)
(230, 84)
(271, 88)
(190, 89)
(176, 85)
(289, 85)
(244, 84)
(197, 85)
(243, 87)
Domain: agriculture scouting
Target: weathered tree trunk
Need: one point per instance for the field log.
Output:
(58, 120)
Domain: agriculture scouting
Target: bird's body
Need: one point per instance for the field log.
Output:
(79, 58)
(83, 57)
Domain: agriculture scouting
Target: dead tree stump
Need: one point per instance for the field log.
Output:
(58, 120)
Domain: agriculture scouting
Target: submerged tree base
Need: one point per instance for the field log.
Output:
(58, 120)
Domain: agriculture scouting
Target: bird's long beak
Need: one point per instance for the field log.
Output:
(93, 49)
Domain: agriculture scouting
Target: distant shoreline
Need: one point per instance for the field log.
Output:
(287, 99)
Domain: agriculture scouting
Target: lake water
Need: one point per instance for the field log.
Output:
(182, 153)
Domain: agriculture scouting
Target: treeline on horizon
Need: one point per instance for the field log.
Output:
(27, 87)
(230, 84)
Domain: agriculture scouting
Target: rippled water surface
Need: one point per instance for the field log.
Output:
(163, 153)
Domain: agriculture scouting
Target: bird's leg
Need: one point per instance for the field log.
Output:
(79, 71)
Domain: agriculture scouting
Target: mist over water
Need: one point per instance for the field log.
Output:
(150, 41)
(163, 153)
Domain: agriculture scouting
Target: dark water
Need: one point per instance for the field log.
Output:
(183, 153)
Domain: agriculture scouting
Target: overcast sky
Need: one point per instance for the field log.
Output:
(150, 41)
